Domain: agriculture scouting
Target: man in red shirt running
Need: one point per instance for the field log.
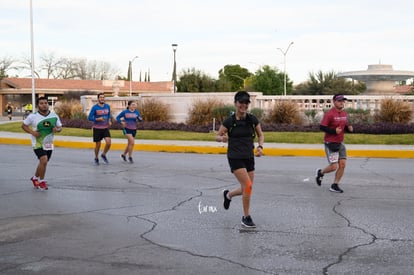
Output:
(334, 124)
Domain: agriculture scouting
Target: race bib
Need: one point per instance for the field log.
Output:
(333, 157)
(47, 143)
(47, 146)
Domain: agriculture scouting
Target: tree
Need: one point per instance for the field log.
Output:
(52, 66)
(328, 84)
(67, 69)
(27, 65)
(49, 63)
(270, 81)
(6, 65)
(129, 71)
(195, 81)
(235, 76)
(224, 85)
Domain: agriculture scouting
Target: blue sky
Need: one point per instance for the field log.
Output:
(327, 35)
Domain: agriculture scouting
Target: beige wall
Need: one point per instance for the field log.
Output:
(180, 103)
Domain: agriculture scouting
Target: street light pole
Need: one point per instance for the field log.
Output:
(174, 76)
(32, 57)
(130, 75)
(284, 66)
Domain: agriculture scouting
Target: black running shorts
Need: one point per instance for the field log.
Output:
(41, 152)
(99, 134)
(241, 163)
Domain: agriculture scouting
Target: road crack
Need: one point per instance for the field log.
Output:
(372, 236)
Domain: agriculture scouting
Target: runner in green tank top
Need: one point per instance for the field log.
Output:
(42, 125)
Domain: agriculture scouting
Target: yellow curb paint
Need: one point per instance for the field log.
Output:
(292, 152)
(15, 141)
(381, 153)
(287, 152)
(180, 148)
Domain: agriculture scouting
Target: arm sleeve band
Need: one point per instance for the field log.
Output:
(327, 130)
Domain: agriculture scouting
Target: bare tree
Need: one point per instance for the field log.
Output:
(50, 63)
(68, 69)
(6, 65)
(101, 70)
(107, 71)
(82, 68)
(93, 71)
(26, 64)
(52, 66)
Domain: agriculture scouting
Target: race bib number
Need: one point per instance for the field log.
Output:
(48, 142)
(47, 146)
(333, 157)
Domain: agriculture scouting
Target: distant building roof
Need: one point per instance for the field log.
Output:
(378, 72)
(108, 86)
(379, 78)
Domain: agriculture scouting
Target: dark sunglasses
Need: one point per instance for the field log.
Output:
(244, 102)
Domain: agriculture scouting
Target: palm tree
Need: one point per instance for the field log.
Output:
(328, 84)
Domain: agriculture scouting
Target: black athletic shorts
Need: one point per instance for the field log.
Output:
(41, 152)
(241, 163)
(99, 134)
(130, 132)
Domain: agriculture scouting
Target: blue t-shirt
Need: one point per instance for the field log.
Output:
(98, 111)
(130, 118)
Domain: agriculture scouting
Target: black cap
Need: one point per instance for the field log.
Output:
(339, 97)
(242, 96)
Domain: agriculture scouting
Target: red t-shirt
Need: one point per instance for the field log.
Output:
(333, 119)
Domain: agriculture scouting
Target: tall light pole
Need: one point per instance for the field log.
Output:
(284, 66)
(174, 76)
(130, 75)
(32, 58)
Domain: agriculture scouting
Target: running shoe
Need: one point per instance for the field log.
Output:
(335, 188)
(96, 161)
(104, 159)
(248, 222)
(130, 160)
(123, 157)
(35, 182)
(319, 177)
(43, 185)
(226, 203)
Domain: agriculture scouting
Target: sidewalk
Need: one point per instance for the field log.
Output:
(212, 147)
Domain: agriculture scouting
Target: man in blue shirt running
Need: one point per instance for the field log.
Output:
(100, 115)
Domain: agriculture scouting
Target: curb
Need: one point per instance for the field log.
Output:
(205, 149)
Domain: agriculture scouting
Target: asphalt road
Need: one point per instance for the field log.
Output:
(163, 215)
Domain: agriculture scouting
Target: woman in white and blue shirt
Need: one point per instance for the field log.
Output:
(128, 118)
